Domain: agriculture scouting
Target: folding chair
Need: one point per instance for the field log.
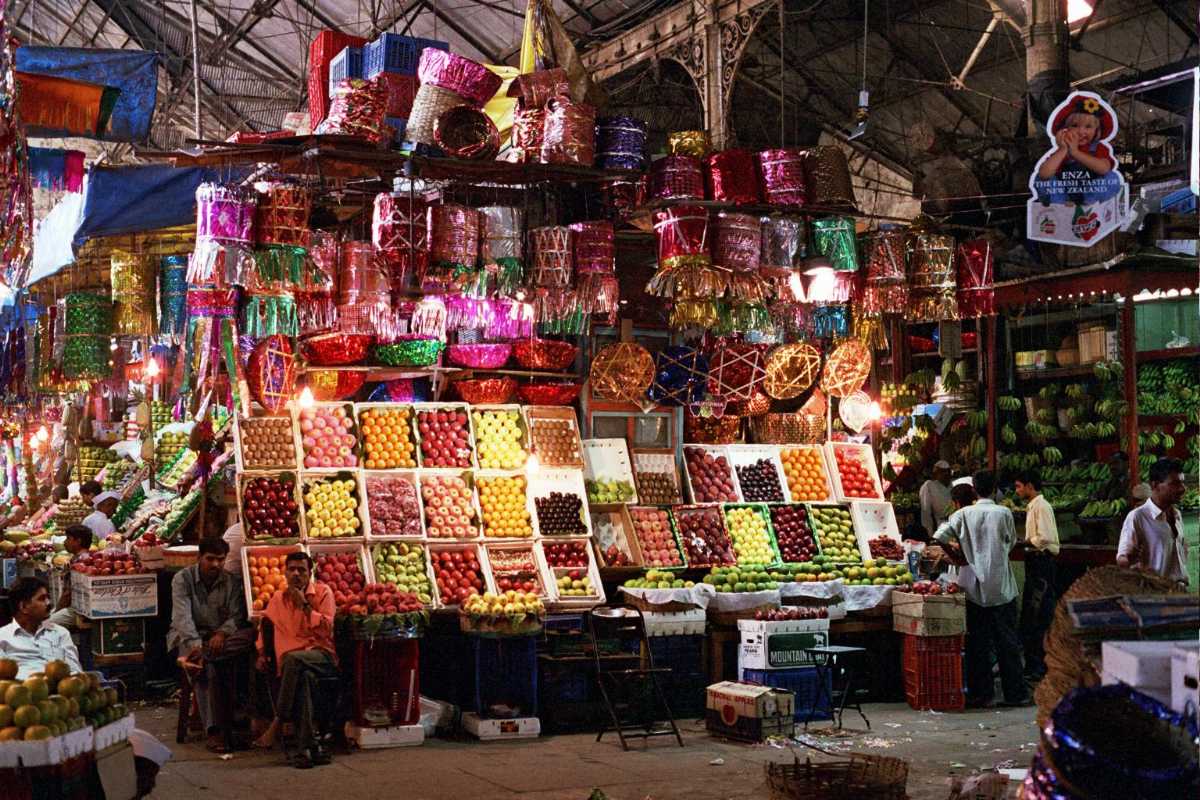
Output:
(325, 697)
(632, 696)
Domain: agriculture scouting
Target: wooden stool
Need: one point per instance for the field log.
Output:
(189, 705)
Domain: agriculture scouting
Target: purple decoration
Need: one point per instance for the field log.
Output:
(620, 143)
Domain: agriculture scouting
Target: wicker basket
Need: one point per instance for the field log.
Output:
(794, 428)
(429, 105)
(864, 775)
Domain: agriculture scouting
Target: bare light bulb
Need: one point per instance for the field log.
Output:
(306, 398)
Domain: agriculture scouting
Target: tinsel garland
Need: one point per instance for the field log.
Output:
(869, 330)
(279, 267)
(172, 295)
(316, 309)
(429, 317)
(834, 238)
(364, 291)
(831, 322)
(269, 314)
(400, 233)
(502, 248)
(86, 337)
(224, 235)
(595, 265)
(559, 312)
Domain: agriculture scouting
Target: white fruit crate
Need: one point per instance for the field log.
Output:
(569, 481)
(744, 455)
(544, 576)
(825, 471)
(244, 478)
(608, 459)
(373, 576)
(592, 571)
(261, 551)
(657, 461)
(675, 623)
(522, 424)
(359, 408)
(311, 478)
(370, 528)
(874, 518)
(489, 730)
(426, 476)
(866, 454)
(564, 413)
(438, 546)
(239, 450)
(714, 450)
(615, 527)
(380, 738)
(817, 534)
(299, 436)
(456, 407)
(495, 473)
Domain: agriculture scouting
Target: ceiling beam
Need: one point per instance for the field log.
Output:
(580, 11)
(926, 72)
(467, 36)
(1171, 9)
(83, 5)
(318, 14)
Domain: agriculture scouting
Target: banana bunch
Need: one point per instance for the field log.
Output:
(1098, 509)
(1049, 391)
(978, 446)
(1040, 432)
(1075, 391)
(1097, 472)
(1106, 371)
(1008, 403)
(1052, 455)
(1008, 435)
(976, 420)
(1019, 461)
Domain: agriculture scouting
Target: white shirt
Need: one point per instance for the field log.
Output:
(935, 504)
(100, 525)
(1041, 529)
(236, 539)
(31, 651)
(1147, 541)
(986, 533)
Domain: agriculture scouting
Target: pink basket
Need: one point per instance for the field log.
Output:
(479, 356)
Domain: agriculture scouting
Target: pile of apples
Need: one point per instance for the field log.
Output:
(498, 437)
(384, 598)
(575, 583)
(790, 614)
(445, 438)
(458, 575)
(751, 540)
(107, 562)
(793, 533)
(515, 569)
(703, 534)
(507, 604)
(269, 509)
(933, 588)
(653, 529)
(566, 554)
(327, 436)
(342, 573)
(856, 478)
(711, 477)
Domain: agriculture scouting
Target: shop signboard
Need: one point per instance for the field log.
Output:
(1079, 195)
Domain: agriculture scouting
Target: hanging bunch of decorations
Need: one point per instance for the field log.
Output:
(622, 372)
(132, 283)
(400, 234)
(364, 304)
(454, 232)
(932, 276)
(736, 370)
(596, 268)
(172, 295)
(533, 91)
(503, 248)
(835, 239)
(89, 326)
(557, 306)
(620, 143)
(680, 376)
(685, 273)
(976, 294)
(316, 307)
(224, 235)
(791, 369)
(846, 369)
(282, 213)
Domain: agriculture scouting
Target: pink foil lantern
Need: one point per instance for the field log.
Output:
(783, 180)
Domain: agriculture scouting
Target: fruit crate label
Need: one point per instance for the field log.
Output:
(788, 649)
(117, 596)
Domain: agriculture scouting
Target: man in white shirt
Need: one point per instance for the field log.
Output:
(1040, 594)
(1152, 536)
(935, 498)
(31, 639)
(100, 520)
(984, 533)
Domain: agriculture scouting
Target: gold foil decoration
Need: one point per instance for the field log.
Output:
(791, 369)
(622, 372)
(688, 143)
(132, 292)
(847, 369)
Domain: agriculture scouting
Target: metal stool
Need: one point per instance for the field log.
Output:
(836, 660)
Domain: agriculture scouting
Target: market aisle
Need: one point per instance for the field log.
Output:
(569, 767)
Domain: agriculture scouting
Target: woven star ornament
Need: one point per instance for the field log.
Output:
(736, 369)
(847, 369)
(271, 373)
(622, 372)
(791, 369)
(679, 375)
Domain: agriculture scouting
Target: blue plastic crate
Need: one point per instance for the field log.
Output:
(398, 125)
(506, 674)
(803, 683)
(392, 52)
(682, 654)
(346, 64)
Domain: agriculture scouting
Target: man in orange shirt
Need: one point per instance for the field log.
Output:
(302, 619)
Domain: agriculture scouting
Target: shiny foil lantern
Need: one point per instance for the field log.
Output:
(528, 124)
(271, 373)
(622, 372)
(680, 374)
(835, 239)
(846, 369)
(536, 89)
(466, 133)
(886, 289)
(596, 267)
(784, 242)
(282, 215)
(224, 234)
(710, 429)
(358, 108)
(736, 369)
(620, 143)
(552, 256)
(678, 177)
(172, 295)
(791, 370)
(132, 293)
(364, 291)
(688, 143)
(621, 197)
(828, 177)
(454, 232)
(733, 177)
(682, 232)
(88, 328)
(400, 234)
(469, 79)
(737, 247)
(328, 385)
(976, 294)
(316, 309)
(269, 313)
(932, 278)
(782, 175)
(502, 249)
(569, 133)
(685, 273)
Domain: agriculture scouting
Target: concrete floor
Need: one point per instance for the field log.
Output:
(937, 747)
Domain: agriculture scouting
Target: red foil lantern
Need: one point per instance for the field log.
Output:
(682, 231)
(677, 178)
(281, 215)
(454, 235)
(271, 373)
(733, 177)
(783, 182)
(976, 294)
(400, 234)
(569, 133)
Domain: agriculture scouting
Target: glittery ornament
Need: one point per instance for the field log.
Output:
(535, 89)
(828, 177)
(568, 133)
(736, 369)
(282, 214)
(976, 294)
(622, 372)
(688, 143)
(502, 247)
(364, 291)
(680, 375)
(621, 197)
(224, 234)
(315, 304)
(552, 256)
(846, 369)
(830, 322)
(132, 293)
(733, 177)
(172, 295)
(400, 234)
(677, 177)
(700, 429)
(784, 242)
(620, 143)
(595, 266)
(86, 336)
(782, 174)
(527, 134)
(454, 233)
(834, 238)
(932, 277)
(466, 133)
(791, 370)
(469, 79)
(271, 373)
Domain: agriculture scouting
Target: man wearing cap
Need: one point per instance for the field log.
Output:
(99, 520)
(935, 498)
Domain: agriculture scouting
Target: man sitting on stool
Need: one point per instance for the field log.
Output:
(209, 626)
(78, 539)
(302, 620)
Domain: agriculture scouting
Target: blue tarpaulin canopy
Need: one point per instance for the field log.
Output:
(133, 72)
(134, 199)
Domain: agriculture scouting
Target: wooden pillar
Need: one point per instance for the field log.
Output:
(1129, 362)
(987, 338)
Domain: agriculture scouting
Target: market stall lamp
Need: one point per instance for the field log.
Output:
(152, 369)
(306, 399)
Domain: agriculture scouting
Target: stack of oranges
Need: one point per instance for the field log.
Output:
(266, 578)
(505, 513)
(805, 471)
(387, 438)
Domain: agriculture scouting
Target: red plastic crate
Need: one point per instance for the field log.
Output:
(933, 672)
(322, 51)
(387, 681)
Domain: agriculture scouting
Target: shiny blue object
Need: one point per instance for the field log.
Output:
(680, 374)
(140, 198)
(133, 72)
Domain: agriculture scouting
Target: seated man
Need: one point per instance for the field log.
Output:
(78, 540)
(209, 626)
(31, 639)
(302, 620)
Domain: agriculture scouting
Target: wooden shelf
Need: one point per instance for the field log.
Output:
(1056, 372)
(935, 354)
(381, 373)
(1168, 353)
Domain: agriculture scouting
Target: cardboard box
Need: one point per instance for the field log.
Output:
(45, 752)
(119, 637)
(107, 596)
(929, 615)
(1140, 664)
(392, 736)
(675, 623)
(1160, 693)
(114, 733)
(118, 777)
(492, 729)
(747, 712)
(1185, 678)
(1093, 344)
(780, 645)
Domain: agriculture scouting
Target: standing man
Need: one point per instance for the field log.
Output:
(1152, 537)
(984, 533)
(31, 639)
(1040, 595)
(935, 498)
(302, 621)
(78, 540)
(100, 520)
(209, 626)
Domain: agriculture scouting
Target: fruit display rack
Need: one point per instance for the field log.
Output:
(697, 457)
(427, 438)
(703, 536)
(655, 474)
(324, 487)
(361, 558)
(874, 519)
(845, 487)
(479, 420)
(307, 436)
(520, 566)
(759, 472)
(245, 431)
(575, 586)
(616, 543)
(547, 482)
(807, 473)
(440, 527)
(381, 486)
(749, 528)
(794, 536)
(829, 535)
(400, 571)
(244, 481)
(554, 436)
(443, 569)
(491, 519)
(267, 563)
(608, 460)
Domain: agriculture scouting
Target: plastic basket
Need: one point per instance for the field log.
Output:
(392, 52)
(804, 683)
(387, 688)
(506, 677)
(933, 674)
(346, 64)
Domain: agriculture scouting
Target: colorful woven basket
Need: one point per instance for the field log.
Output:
(335, 349)
(479, 356)
(415, 352)
(544, 354)
(484, 391)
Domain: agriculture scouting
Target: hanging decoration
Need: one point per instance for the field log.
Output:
(132, 293)
(856, 410)
(536, 89)
(224, 234)
(89, 324)
(466, 133)
(827, 176)
(269, 313)
(846, 369)
(834, 238)
(712, 429)
(685, 274)
(364, 291)
(830, 322)
(932, 277)
(429, 317)
(736, 369)
(316, 309)
(976, 294)
(502, 248)
(278, 268)
(596, 268)
(211, 338)
(552, 256)
(733, 177)
(620, 143)
(282, 213)
(172, 295)
(737, 241)
(622, 196)
(886, 288)
(271, 373)
(528, 126)
(782, 174)
(784, 242)
(622, 372)
(569, 133)
(400, 234)
(454, 232)
(677, 177)
(680, 375)
(358, 108)
(688, 143)
(791, 370)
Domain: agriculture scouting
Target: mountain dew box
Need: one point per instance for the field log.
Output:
(749, 712)
(780, 645)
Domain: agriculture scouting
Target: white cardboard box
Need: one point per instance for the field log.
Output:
(488, 730)
(1139, 664)
(1185, 678)
(779, 645)
(1160, 693)
(106, 596)
(392, 736)
(45, 752)
(675, 623)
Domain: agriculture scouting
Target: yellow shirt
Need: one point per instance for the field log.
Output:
(1041, 531)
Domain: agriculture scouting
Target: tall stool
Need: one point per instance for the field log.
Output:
(833, 662)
